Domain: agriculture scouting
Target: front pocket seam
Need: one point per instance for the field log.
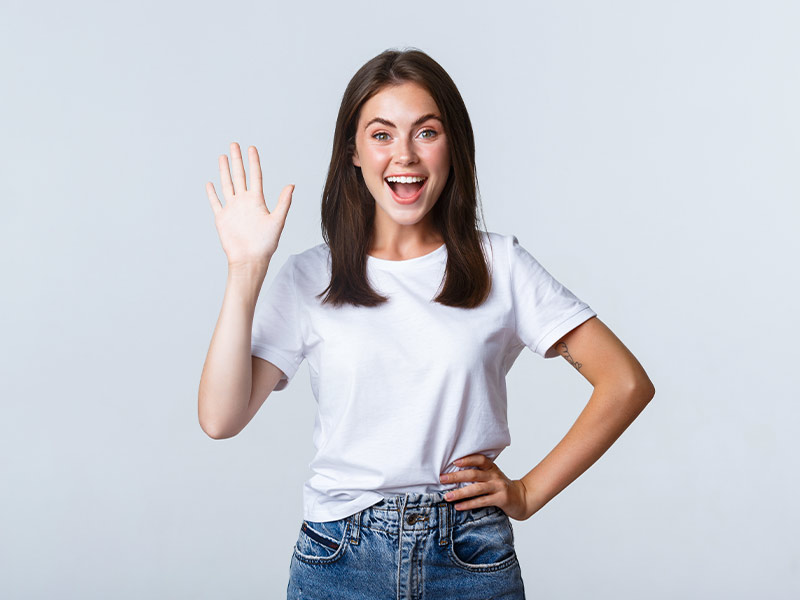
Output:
(479, 568)
(319, 537)
(308, 559)
(498, 566)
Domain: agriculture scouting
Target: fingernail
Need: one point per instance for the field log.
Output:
(449, 495)
(443, 478)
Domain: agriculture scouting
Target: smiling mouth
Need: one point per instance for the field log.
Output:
(406, 190)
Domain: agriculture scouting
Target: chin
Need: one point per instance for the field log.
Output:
(406, 217)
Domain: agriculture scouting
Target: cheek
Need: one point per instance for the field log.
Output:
(376, 162)
(374, 152)
(438, 159)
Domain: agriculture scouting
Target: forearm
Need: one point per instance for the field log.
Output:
(226, 380)
(607, 414)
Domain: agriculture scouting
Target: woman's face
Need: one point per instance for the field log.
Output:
(399, 132)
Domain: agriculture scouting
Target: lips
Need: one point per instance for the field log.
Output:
(409, 200)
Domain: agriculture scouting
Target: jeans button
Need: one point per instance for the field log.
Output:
(411, 519)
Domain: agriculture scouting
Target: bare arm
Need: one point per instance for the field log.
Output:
(234, 384)
(621, 391)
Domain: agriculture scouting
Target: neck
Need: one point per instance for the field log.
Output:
(394, 241)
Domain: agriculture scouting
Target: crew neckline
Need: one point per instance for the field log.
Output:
(399, 264)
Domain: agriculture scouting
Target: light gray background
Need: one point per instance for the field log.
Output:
(646, 153)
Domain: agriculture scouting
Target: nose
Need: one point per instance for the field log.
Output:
(405, 152)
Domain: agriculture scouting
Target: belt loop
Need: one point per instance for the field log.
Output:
(444, 522)
(355, 527)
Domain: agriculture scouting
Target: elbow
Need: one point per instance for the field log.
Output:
(638, 386)
(642, 389)
(211, 432)
(637, 389)
(208, 427)
(213, 428)
(631, 384)
(216, 432)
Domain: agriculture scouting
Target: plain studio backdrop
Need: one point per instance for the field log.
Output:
(645, 153)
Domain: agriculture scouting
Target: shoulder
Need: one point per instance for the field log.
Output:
(310, 264)
(501, 248)
(311, 255)
(498, 240)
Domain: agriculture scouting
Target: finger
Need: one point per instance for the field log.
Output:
(225, 177)
(284, 202)
(478, 502)
(464, 475)
(469, 491)
(472, 459)
(255, 170)
(238, 169)
(216, 205)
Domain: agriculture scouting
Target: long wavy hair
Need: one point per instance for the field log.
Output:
(348, 208)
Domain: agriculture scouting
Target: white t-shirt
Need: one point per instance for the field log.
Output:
(407, 387)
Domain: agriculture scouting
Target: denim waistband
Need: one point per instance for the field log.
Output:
(420, 513)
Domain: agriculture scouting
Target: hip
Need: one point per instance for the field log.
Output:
(409, 546)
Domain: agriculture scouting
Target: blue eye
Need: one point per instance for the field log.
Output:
(433, 131)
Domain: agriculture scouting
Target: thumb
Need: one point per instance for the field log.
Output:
(284, 201)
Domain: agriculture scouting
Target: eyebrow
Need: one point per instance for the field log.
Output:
(419, 121)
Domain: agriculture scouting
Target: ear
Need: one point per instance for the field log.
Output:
(356, 161)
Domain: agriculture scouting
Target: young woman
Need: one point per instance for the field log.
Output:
(410, 316)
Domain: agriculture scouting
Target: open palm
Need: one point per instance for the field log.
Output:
(249, 232)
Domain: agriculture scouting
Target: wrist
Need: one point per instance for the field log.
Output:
(254, 269)
(533, 501)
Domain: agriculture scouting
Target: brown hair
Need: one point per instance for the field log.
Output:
(348, 208)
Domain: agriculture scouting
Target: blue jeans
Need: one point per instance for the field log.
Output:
(408, 547)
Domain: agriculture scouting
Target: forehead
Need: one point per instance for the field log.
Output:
(399, 103)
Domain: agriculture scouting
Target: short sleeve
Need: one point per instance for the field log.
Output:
(276, 334)
(544, 309)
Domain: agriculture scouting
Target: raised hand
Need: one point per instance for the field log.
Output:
(249, 232)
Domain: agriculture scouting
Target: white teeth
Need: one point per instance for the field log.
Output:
(405, 179)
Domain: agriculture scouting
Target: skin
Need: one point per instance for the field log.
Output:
(402, 231)
(234, 384)
(621, 386)
(248, 230)
(621, 391)
(249, 233)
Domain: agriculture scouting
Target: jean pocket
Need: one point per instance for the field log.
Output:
(322, 542)
(483, 545)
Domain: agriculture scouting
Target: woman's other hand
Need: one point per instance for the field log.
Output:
(491, 487)
(249, 232)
